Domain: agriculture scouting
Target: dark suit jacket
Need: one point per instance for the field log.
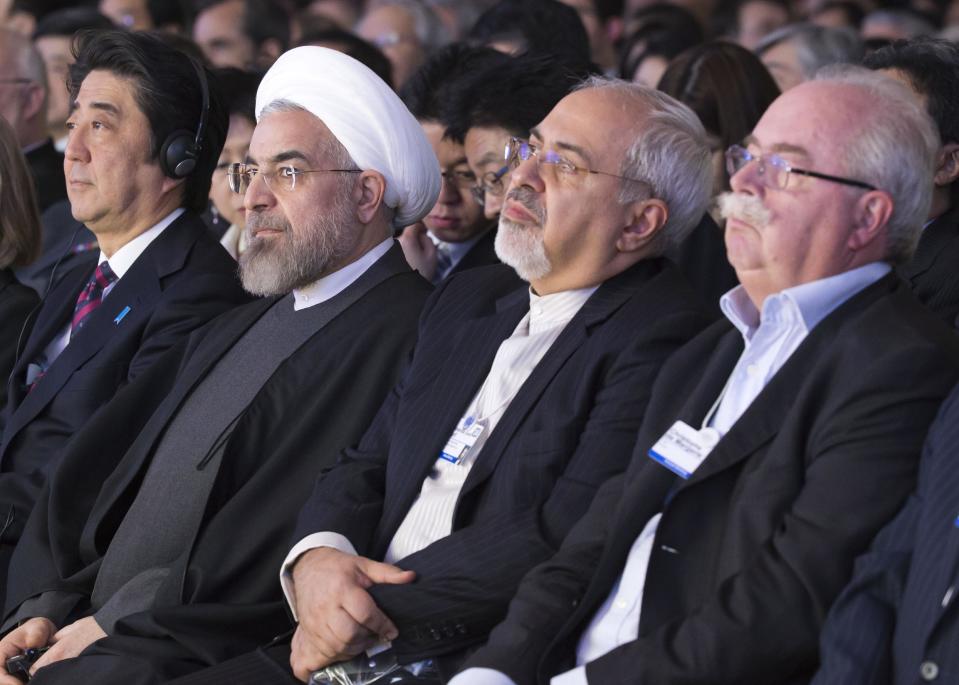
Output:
(702, 259)
(46, 165)
(898, 617)
(16, 303)
(753, 548)
(933, 272)
(222, 596)
(570, 426)
(181, 281)
(481, 254)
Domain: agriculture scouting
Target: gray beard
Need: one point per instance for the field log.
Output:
(522, 248)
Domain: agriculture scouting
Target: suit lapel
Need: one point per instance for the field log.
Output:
(933, 240)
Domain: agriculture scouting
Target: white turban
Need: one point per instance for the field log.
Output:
(368, 119)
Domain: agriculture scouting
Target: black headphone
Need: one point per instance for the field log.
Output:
(180, 150)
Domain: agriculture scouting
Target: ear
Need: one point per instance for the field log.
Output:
(170, 183)
(368, 194)
(947, 164)
(871, 216)
(645, 220)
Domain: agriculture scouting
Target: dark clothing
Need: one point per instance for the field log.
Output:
(896, 622)
(933, 271)
(46, 165)
(221, 595)
(481, 254)
(16, 303)
(66, 245)
(182, 280)
(753, 548)
(702, 259)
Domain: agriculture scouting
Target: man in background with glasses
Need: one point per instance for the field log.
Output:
(193, 504)
(519, 400)
(23, 103)
(776, 443)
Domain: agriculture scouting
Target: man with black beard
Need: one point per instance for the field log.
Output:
(139, 549)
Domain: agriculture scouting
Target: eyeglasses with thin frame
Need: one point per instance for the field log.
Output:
(519, 150)
(779, 169)
(492, 183)
(240, 176)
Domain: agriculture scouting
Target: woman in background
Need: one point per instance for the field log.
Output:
(19, 245)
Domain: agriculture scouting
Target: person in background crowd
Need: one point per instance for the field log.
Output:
(159, 273)
(838, 14)
(603, 21)
(407, 31)
(895, 24)
(456, 234)
(255, 404)
(729, 89)
(244, 34)
(349, 44)
(19, 245)
(226, 207)
(129, 14)
(794, 53)
(53, 38)
(23, 103)
(484, 109)
(777, 443)
(930, 69)
(662, 32)
(747, 22)
(534, 26)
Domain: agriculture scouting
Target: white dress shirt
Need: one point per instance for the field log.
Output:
(120, 263)
(336, 282)
(430, 518)
(770, 339)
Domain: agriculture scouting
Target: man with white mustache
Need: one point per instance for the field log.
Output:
(519, 401)
(776, 443)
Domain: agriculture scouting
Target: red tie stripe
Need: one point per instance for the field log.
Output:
(92, 295)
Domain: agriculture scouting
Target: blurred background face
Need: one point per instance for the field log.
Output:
(391, 29)
(758, 18)
(220, 34)
(235, 149)
(484, 149)
(57, 58)
(457, 216)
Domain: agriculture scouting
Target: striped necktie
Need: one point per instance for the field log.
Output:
(444, 260)
(92, 295)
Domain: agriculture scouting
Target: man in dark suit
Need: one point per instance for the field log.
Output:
(776, 444)
(158, 275)
(141, 542)
(896, 621)
(519, 401)
(456, 235)
(930, 68)
(23, 103)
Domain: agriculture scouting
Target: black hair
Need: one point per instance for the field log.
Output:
(536, 26)
(66, 22)
(239, 91)
(354, 46)
(853, 11)
(167, 91)
(424, 93)
(514, 96)
(932, 67)
(263, 20)
(664, 31)
(166, 13)
(726, 16)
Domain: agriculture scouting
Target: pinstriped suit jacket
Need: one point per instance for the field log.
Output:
(570, 426)
(898, 620)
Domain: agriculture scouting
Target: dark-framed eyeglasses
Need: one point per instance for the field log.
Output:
(240, 176)
(492, 183)
(519, 150)
(774, 170)
(462, 179)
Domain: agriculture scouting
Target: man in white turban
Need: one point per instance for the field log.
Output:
(154, 550)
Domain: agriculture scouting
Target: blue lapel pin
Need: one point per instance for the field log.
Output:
(956, 522)
(124, 312)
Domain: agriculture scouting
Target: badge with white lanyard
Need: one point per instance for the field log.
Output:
(682, 449)
(465, 435)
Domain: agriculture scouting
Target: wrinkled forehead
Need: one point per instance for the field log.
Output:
(285, 136)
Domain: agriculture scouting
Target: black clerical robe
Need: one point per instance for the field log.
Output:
(222, 596)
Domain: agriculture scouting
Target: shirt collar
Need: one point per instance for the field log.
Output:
(123, 259)
(549, 311)
(809, 302)
(332, 284)
(457, 250)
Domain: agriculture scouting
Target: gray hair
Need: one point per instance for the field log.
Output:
(894, 149)
(817, 46)
(430, 31)
(907, 22)
(670, 154)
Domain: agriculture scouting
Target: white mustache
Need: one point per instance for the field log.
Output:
(746, 208)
